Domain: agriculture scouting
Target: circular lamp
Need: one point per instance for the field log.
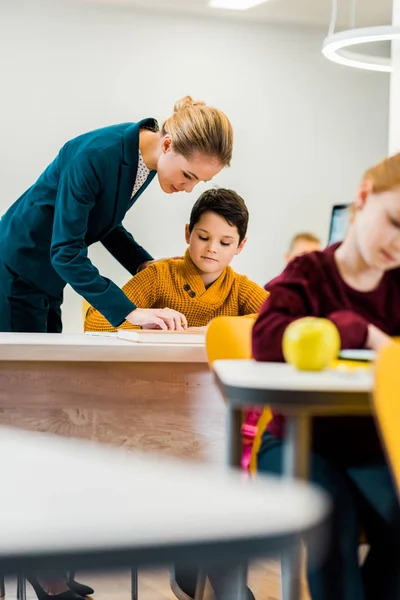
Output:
(339, 47)
(336, 47)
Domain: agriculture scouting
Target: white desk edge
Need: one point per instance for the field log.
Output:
(88, 348)
(249, 374)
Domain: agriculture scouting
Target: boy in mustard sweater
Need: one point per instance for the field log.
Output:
(202, 285)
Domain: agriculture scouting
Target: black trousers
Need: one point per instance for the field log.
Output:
(364, 497)
(25, 308)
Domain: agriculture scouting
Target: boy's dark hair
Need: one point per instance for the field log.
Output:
(225, 203)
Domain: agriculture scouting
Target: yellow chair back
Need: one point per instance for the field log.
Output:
(387, 404)
(230, 338)
(85, 308)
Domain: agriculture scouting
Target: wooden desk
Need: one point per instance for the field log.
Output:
(151, 397)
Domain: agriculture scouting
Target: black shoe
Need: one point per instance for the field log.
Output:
(80, 588)
(42, 595)
(183, 582)
(249, 594)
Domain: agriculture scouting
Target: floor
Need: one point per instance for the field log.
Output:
(264, 580)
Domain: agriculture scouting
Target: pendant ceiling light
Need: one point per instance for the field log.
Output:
(339, 47)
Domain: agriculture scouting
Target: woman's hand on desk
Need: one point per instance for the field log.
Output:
(157, 318)
(376, 338)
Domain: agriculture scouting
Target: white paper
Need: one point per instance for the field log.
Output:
(162, 337)
(102, 333)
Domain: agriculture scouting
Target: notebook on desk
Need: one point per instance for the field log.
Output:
(358, 355)
(157, 336)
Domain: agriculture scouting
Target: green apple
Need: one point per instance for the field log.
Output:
(310, 344)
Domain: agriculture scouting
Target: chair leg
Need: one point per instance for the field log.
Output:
(2, 587)
(200, 585)
(134, 584)
(71, 575)
(21, 587)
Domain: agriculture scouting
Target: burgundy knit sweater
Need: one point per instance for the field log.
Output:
(311, 285)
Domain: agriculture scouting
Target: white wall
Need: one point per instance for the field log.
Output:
(305, 128)
(394, 120)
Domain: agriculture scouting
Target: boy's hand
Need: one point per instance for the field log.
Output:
(150, 262)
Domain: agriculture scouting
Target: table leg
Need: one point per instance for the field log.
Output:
(233, 437)
(231, 584)
(295, 465)
(21, 587)
(134, 584)
(297, 447)
(291, 573)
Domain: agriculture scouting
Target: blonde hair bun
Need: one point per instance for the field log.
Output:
(196, 128)
(187, 102)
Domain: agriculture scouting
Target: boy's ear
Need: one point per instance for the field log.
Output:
(241, 246)
(187, 234)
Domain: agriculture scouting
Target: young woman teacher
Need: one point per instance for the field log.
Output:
(82, 198)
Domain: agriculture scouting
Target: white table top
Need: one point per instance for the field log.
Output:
(62, 495)
(82, 347)
(249, 374)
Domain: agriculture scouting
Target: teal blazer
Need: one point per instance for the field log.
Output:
(81, 198)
